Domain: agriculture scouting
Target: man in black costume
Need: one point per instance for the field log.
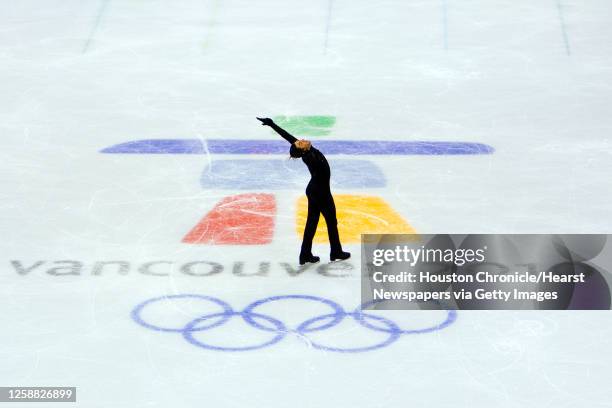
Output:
(320, 200)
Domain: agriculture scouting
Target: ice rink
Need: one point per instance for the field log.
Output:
(151, 226)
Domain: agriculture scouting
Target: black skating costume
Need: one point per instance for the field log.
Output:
(320, 200)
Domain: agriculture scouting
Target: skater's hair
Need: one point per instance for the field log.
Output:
(295, 152)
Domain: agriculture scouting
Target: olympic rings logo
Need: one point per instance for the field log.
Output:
(277, 329)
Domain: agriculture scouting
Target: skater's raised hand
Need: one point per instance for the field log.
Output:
(269, 122)
(266, 121)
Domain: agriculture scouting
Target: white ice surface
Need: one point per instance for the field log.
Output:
(533, 79)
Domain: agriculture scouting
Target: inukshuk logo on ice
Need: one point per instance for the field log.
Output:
(248, 218)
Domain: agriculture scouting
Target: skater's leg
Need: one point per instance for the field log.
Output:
(328, 209)
(310, 229)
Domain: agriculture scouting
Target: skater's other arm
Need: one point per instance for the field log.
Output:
(286, 135)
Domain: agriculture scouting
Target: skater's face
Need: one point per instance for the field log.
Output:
(302, 144)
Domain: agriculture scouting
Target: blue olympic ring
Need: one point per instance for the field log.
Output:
(278, 328)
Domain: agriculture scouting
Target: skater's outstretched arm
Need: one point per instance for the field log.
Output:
(286, 135)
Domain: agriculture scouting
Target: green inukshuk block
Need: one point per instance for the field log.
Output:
(307, 125)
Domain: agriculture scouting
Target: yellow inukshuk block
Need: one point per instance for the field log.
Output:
(357, 214)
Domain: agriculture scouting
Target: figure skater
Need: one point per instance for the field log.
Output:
(320, 200)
